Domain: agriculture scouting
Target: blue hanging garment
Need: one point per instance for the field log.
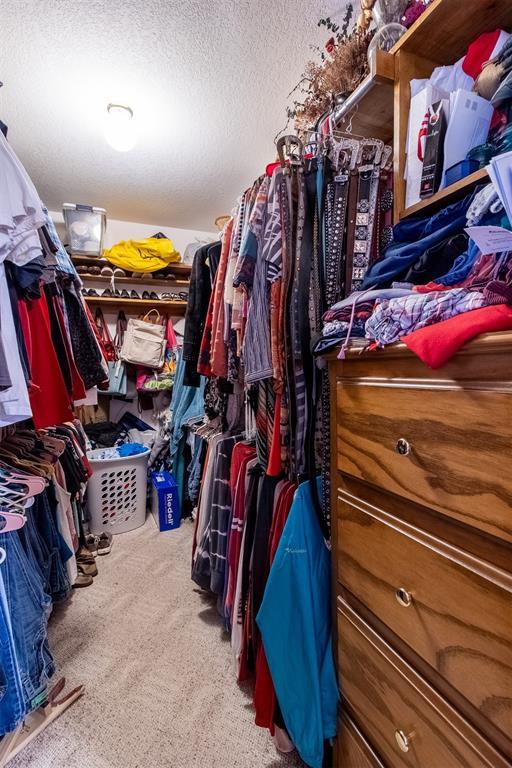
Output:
(295, 624)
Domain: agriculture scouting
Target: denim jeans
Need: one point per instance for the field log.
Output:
(195, 468)
(187, 403)
(54, 568)
(12, 703)
(29, 608)
(412, 237)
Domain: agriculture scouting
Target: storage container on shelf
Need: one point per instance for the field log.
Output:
(85, 227)
(116, 492)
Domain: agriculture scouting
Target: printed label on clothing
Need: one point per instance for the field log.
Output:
(490, 239)
(39, 699)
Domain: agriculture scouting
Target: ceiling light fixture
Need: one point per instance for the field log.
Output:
(119, 128)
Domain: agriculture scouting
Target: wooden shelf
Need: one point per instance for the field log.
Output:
(178, 268)
(166, 281)
(177, 307)
(443, 32)
(446, 195)
(371, 104)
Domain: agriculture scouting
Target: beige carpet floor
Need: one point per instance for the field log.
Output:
(160, 688)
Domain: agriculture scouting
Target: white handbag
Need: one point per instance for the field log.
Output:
(144, 342)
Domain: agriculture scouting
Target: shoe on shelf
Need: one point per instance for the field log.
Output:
(105, 542)
(118, 272)
(107, 271)
(91, 542)
(153, 296)
(107, 292)
(134, 295)
(146, 295)
(125, 294)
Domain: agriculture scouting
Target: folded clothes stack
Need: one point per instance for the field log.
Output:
(430, 276)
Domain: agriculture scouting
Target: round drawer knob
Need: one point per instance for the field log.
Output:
(403, 597)
(402, 447)
(403, 740)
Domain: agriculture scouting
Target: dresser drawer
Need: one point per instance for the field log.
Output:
(410, 725)
(352, 748)
(443, 448)
(452, 609)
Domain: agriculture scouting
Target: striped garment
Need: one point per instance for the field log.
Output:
(393, 318)
(210, 560)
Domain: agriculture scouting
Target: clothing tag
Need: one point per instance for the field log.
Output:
(491, 239)
(39, 699)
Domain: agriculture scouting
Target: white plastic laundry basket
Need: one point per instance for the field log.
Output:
(116, 492)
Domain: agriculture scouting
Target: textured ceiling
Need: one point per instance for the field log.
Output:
(207, 81)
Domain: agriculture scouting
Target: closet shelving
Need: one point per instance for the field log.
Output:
(426, 675)
(369, 108)
(440, 36)
(180, 276)
(446, 195)
(166, 281)
(177, 268)
(176, 307)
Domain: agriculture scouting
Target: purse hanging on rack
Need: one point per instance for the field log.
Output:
(118, 385)
(144, 342)
(163, 380)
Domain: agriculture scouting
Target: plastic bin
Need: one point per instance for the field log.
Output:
(116, 492)
(85, 227)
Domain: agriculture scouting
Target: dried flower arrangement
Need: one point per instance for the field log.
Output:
(343, 64)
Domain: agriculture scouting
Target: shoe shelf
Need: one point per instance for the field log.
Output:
(147, 281)
(178, 268)
(369, 108)
(117, 303)
(446, 195)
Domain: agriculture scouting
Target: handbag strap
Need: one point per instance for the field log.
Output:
(121, 326)
(158, 317)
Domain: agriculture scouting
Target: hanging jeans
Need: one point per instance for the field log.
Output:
(12, 705)
(53, 567)
(29, 608)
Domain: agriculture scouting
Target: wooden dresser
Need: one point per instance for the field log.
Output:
(422, 557)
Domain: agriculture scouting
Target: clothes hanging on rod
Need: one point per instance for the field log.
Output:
(42, 478)
(301, 238)
(49, 354)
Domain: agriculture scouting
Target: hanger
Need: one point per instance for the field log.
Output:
(13, 522)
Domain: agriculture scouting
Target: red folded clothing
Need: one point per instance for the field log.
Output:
(436, 344)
